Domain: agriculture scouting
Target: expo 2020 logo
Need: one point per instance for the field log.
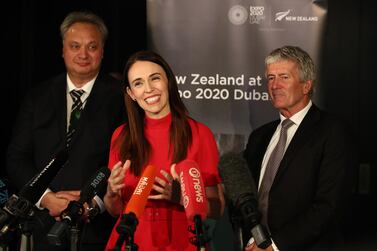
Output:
(237, 15)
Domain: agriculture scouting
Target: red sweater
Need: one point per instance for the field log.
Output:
(163, 225)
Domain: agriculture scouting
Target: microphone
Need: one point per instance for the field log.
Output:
(3, 192)
(96, 183)
(194, 199)
(240, 189)
(192, 189)
(35, 188)
(3, 199)
(75, 210)
(21, 207)
(135, 207)
(140, 196)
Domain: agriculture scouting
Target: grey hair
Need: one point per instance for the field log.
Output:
(305, 63)
(83, 17)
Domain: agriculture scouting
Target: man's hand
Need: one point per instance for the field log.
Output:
(57, 202)
(251, 246)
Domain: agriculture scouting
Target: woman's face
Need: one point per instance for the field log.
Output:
(149, 88)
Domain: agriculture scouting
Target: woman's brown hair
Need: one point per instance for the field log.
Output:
(131, 142)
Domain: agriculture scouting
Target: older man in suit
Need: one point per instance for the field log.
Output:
(45, 127)
(303, 177)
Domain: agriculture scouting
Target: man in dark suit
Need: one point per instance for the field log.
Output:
(44, 123)
(301, 201)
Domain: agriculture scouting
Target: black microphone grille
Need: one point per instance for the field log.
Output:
(100, 177)
(95, 184)
(39, 183)
(236, 176)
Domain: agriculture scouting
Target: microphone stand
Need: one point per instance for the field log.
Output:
(77, 210)
(126, 229)
(71, 219)
(16, 216)
(23, 228)
(74, 237)
(237, 227)
(200, 239)
(238, 242)
(26, 236)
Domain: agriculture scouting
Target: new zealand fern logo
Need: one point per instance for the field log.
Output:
(280, 15)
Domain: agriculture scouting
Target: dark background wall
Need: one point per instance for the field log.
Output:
(32, 45)
(31, 52)
(349, 64)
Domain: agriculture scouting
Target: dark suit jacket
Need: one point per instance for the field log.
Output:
(311, 183)
(40, 132)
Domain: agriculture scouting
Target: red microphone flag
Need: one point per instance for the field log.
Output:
(192, 189)
(140, 196)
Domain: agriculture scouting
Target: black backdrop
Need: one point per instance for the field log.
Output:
(31, 52)
(33, 46)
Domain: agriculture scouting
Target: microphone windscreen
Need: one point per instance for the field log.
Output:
(35, 188)
(140, 196)
(94, 184)
(240, 189)
(4, 193)
(192, 189)
(236, 176)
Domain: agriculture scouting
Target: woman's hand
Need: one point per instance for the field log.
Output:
(113, 197)
(168, 188)
(116, 180)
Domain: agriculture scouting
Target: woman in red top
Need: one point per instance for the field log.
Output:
(159, 132)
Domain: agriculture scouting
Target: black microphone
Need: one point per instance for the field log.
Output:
(19, 208)
(75, 209)
(240, 190)
(3, 192)
(95, 184)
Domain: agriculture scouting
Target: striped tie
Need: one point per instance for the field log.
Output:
(75, 113)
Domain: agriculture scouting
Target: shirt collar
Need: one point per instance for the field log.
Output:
(299, 116)
(87, 87)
